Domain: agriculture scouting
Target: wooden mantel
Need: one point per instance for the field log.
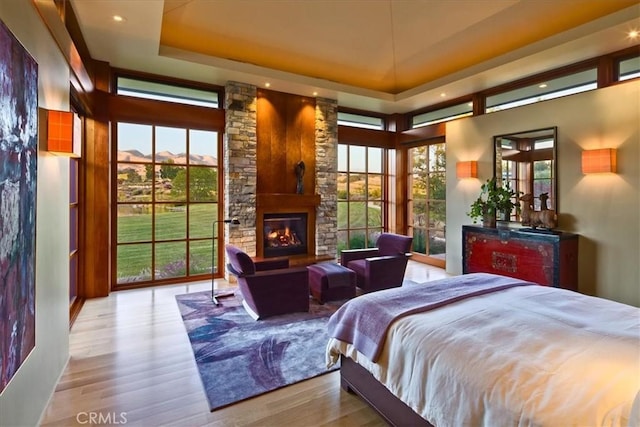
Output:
(280, 200)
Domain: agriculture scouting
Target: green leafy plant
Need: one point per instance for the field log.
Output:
(492, 199)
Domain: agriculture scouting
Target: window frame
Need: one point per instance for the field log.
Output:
(345, 205)
(432, 259)
(154, 240)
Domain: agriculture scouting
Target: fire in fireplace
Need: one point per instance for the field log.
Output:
(285, 234)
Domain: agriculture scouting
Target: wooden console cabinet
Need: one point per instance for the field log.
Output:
(547, 258)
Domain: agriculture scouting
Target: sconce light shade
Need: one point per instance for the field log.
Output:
(467, 169)
(63, 136)
(599, 161)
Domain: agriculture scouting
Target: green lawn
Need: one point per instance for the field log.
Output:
(135, 226)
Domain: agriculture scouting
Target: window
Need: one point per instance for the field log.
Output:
(167, 201)
(360, 121)
(361, 207)
(442, 115)
(165, 92)
(427, 201)
(629, 68)
(554, 88)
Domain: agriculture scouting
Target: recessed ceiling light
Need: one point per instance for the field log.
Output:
(119, 18)
(442, 95)
(315, 93)
(267, 84)
(542, 85)
(633, 34)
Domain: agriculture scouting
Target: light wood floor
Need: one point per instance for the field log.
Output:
(131, 363)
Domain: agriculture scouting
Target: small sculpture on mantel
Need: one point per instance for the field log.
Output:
(545, 217)
(299, 175)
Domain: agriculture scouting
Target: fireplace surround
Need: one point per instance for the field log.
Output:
(275, 212)
(260, 178)
(284, 234)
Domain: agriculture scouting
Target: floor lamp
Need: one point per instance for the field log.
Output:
(214, 297)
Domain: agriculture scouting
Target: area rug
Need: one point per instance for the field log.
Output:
(239, 358)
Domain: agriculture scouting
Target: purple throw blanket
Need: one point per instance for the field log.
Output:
(364, 320)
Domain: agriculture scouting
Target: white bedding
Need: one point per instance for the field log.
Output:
(525, 356)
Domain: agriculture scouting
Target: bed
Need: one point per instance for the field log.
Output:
(487, 350)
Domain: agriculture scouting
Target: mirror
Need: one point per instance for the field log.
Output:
(527, 162)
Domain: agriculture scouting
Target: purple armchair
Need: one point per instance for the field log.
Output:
(269, 287)
(381, 267)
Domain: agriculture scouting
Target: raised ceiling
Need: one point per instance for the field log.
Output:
(381, 55)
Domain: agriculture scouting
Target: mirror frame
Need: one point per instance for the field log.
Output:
(528, 139)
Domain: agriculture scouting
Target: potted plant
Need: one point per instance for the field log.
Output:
(492, 199)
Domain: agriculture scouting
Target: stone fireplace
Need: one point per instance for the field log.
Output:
(260, 177)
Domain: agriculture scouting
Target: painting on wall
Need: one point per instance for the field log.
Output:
(18, 159)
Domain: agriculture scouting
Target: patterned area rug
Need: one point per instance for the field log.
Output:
(239, 357)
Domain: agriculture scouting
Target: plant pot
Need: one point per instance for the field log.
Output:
(489, 221)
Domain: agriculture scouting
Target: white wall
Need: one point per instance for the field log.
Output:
(603, 209)
(27, 395)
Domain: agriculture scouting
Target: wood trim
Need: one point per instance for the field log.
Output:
(479, 104)
(429, 260)
(74, 310)
(398, 122)
(401, 191)
(139, 75)
(50, 15)
(95, 211)
(423, 133)
(280, 200)
(368, 137)
(94, 198)
(606, 76)
(139, 110)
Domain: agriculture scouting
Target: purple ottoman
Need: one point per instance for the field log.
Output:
(329, 281)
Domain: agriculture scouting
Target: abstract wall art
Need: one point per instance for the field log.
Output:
(18, 161)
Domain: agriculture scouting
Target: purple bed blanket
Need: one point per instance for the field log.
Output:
(364, 321)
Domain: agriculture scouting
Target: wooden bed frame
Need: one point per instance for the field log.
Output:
(356, 379)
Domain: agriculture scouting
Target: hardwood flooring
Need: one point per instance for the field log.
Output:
(131, 364)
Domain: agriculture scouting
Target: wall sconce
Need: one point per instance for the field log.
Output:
(63, 133)
(599, 161)
(467, 169)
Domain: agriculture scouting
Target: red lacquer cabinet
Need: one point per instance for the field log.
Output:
(547, 258)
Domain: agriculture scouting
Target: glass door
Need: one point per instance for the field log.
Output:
(427, 202)
(167, 198)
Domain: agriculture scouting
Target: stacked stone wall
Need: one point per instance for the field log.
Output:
(240, 164)
(326, 176)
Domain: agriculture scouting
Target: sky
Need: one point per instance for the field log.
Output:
(139, 137)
